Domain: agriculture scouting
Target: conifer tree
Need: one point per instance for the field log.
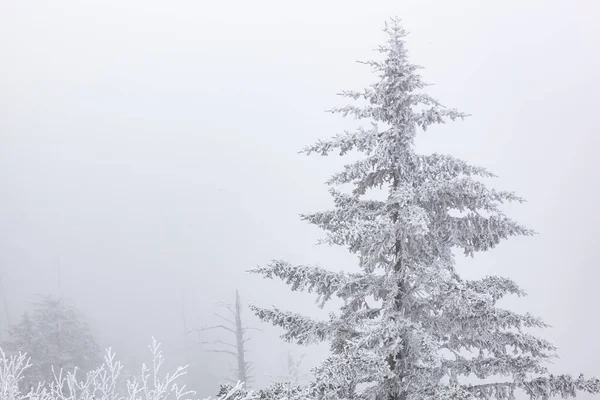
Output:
(411, 327)
(56, 336)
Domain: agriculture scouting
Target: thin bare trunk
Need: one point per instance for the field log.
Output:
(237, 349)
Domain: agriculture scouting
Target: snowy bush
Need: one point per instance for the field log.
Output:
(104, 383)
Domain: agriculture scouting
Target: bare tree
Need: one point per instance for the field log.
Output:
(185, 330)
(4, 316)
(233, 325)
(293, 366)
(291, 370)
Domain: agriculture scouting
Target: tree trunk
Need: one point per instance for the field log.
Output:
(239, 336)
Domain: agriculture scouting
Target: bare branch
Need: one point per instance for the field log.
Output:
(220, 342)
(222, 351)
(250, 328)
(223, 304)
(224, 319)
(218, 326)
(228, 306)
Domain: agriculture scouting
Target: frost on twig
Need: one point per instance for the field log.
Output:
(103, 383)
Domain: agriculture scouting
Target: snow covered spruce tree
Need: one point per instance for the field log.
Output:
(411, 327)
(55, 335)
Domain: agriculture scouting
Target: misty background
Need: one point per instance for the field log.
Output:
(148, 156)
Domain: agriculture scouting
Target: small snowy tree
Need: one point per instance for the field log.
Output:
(412, 328)
(55, 335)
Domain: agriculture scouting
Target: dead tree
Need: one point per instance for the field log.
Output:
(291, 373)
(234, 326)
(294, 367)
(5, 318)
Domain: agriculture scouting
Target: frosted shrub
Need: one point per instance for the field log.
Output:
(104, 383)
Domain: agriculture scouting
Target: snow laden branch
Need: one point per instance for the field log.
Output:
(12, 374)
(299, 329)
(431, 332)
(317, 280)
(105, 382)
(276, 391)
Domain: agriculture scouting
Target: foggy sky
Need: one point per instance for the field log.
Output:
(149, 149)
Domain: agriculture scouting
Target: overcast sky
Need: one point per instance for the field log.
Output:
(149, 150)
